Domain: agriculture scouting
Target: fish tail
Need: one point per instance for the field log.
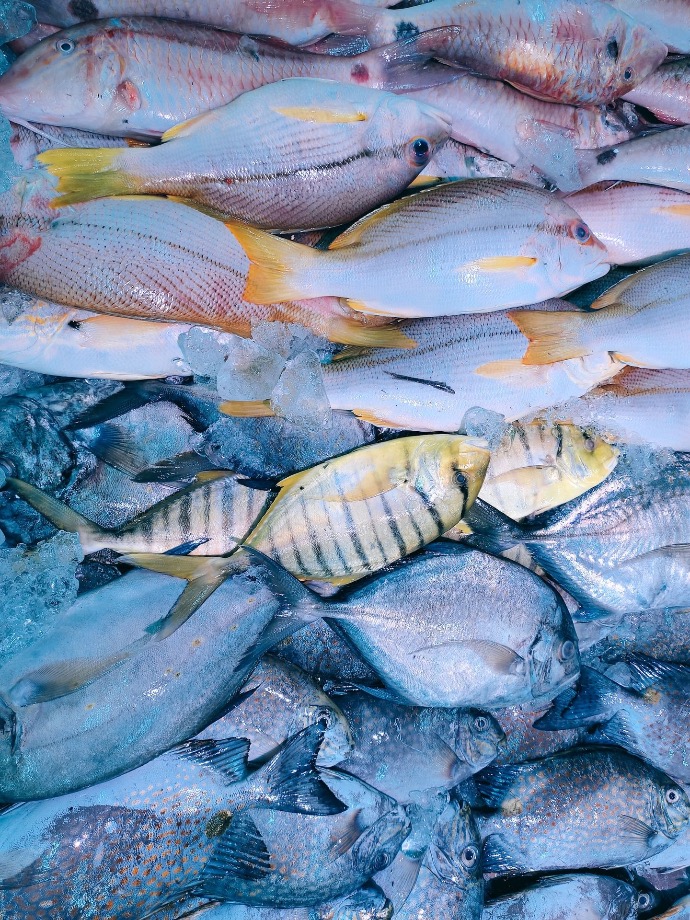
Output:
(400, 62)
(552, 336)
(352, 331)
(279, 269)
(86, 174)
(595, 699)
(91, 536)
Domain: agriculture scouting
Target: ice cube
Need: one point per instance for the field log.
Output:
(16, 19)
(300, 396)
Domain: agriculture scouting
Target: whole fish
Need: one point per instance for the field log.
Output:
(582, 809)
(667, 19)
(574, 52)
(656, 158)
(170, 817)
(618, 548)
(278, 701)
(636, 223)
(139, 76)
(501, 244)
(597, 897)
(153, 258)
(459, 362)
(292, 155)
(647, 716)
(639, 321)
(666, 92)
(450, 882)
(402, 750)
(74, 694)
(216, 511)
(41, 336)
(540, 466)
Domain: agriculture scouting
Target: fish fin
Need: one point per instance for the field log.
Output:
(184, 127)
(84, 174)
(636, 829)
(212, 475)
(440, 757)
(375, 418)
(645, 672)
(273, 264)
(494, 783)
(229, 755)
(424, 180)
(435, 384)
(61, 678)
(343, 840)
(398, 880)
(552, 336)
(59, 514)
(114, 446)
(261, 485)
(499, 858)
(500, 658)
(120, 403)
(247, 408)
(497, 370)
(611, 298)
(186, 466)
(595, 699)
(617, 731)
(184, 549)
(360, 306)
(492, 530)
(19, 867)
(320, 115)
(500, 263)
(241, 852)
(292, 779)
(353, 235)
(351, 331)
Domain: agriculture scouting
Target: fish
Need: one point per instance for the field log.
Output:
(582, 809)
(655, 158)
(598, 897)
(539, 466)
(637, 223)
(529, 133)
(459, 362)
(66, 710)
(138, 77)
(666, 92)
(524, 740)
(450, 882)
(294, 155)
(575, 53)
(639, 321)
(619, 548)
(395, 262)
(125, 256)
(214, 514)
(42, 336)
(170, 816)
(645, 715)
(402, 750)
(278, 701)
(27, 141)
(460, 161)
(667, 19)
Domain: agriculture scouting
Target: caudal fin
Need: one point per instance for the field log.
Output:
(91, 536)
(277, 266)
(86, 174)
(552, 336)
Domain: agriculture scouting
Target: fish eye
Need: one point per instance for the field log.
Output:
(644, 901)
(612, 49)
(567, 650)
(481, 723)
(381, 862)
(420, 151)
(65, 45)
(589, 444)
(469, 856)
(460, 478)
(672, 796)
(580, 232)
(628, 73)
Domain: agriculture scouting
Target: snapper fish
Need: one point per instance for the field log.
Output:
(667, 19)
(655, 158)
(666, 92)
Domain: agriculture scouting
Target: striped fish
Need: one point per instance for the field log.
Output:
(353, 515)
(538, 466)
(217, 508)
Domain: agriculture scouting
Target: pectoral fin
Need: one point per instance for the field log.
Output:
(62, 678)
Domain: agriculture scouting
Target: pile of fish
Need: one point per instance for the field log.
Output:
(345, 460)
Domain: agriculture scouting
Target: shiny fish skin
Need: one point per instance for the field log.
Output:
(668, 20)
(26, 144)
(138, 77)
(666, 92)
(459, 161)
(502, 244)
(637, 223)
(657, 158)
(598, 897)
(402, 750)
(293, 155)
(572, 51)
(582, 809)
(367, 903)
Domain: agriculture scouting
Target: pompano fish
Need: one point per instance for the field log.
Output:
(169, 817)
(666, 92)
(152, 258)
(582, 809)
(402, 750)
(539, 466)
(647, 715)
(501, 244)
(597, 897)
(637, 223)
(292, 155)
(138, 77)
(574, 52)
(667, 19)
(656, 158)
(216, 511)
(41, 336)
(639, 321)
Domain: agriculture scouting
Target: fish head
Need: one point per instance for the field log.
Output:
(585, 459)
(412, 129)
(478, 738)
(449, 469)
(554, 655)
(72, 78)
(367, 903)
(338, 741)
(672, 805)
(629, 53)
(570, 252)
(380, 843)
(454, 853)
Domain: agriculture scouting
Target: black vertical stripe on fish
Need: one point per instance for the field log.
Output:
(207, 509)
(436, 384)
(293, 544)
(524, 440)
(559, 440)
(165, 516)
(417, 529)
(146, 525)
(185, 515)
(431, 509)
(394, 529)
(351, 532)
(321, 560)
(461, 483)
(374, 532)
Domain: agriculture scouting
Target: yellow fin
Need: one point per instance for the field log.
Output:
(210, 475)
(86, 174)
(552, 336)
(376, 418)
(500, 263)
(611, 298)
(424, 181)
(187, 567)
(321, 116)
(498, 369)
(677, 210)
(273, 261)
(247, 408)
(353, 234)
(629, 359)
(183, 127)
(360, 307)
(350, 331)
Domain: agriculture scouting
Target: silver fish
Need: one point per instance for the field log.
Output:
(666, 92)
(656, 158)
(597, 897)
(668, 20)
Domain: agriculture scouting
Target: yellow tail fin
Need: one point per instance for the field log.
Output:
(276, 265)
(85, 174)
(552, 336)
(247, 408)
(351, 331)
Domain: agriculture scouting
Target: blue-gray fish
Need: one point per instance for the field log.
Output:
(597, 897)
